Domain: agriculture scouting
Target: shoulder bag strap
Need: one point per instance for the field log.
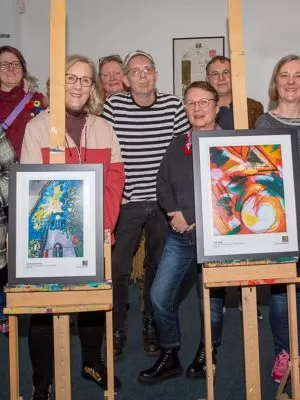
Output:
(16, 111)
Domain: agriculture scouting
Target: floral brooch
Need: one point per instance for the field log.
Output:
(35, 106)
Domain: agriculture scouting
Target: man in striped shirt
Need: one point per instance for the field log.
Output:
(145, 122)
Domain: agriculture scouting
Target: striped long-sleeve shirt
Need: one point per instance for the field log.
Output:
(144, 134)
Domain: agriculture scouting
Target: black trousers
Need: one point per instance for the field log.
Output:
(135, 216)
(41, 343)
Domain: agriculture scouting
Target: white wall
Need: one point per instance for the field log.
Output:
(99, 27)
(10, 23)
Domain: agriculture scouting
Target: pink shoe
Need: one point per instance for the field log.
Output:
(280, 366)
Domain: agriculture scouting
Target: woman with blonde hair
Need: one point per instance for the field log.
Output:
(111, 74)
(284, 95)
(89, 139)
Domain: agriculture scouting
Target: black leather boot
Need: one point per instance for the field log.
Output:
(119, 344)
(97, 372)
(167, 366)
(42, 391)
(151, 346)
(197, 368)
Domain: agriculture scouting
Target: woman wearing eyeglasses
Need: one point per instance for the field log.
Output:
(111, 74)
(17, 90)
(89, 139)
(15, 84)
(178, 268)
(284, 94)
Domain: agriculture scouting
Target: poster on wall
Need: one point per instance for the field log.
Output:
(55, 224)
(190, 56)
(246, 194)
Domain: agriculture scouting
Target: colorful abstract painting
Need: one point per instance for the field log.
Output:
(55, 219)
(247, 189)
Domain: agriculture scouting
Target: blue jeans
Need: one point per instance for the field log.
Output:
(279, 317)
(177, 271)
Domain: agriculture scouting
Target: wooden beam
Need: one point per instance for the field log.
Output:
(61, 325)
(58, 299)
(293, 338)
(251, 350)
(251, 273)
(237, 56)
(14, 357)
(57, 80)
(208, 345)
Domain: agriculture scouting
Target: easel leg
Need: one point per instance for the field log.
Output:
(293, 335)
(208, 343)
(14, 357)
(279, 394)
(62, 356)
(109, 394)
(252, 371)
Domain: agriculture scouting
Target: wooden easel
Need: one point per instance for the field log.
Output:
(248, 277)
(76, 299)
(60, 304)
(251, 275)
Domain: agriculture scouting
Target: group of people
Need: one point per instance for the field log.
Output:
(117, 117)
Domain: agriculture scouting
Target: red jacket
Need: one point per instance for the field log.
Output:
(8, 102)
(99, 144)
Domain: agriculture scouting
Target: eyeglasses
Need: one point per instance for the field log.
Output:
(217, 75)
(84, 80)
(135, 73)
(4, 65)
(201, 103)
(111, 57)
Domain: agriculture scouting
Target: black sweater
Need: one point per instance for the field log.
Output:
(175, 185)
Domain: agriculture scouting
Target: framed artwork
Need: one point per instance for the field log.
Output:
(55, 224)
(246, 194)
(190, 56)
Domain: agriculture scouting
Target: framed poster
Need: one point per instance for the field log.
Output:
(55, 224)
(190, 56)
(246, 194)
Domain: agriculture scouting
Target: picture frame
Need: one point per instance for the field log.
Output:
(190, 56)
(246, 195)
(55, 224)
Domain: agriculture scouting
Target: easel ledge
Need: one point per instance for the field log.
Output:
(57, 287)
(222, 275)
(235, 263)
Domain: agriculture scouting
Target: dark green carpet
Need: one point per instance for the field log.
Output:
(229, 383)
